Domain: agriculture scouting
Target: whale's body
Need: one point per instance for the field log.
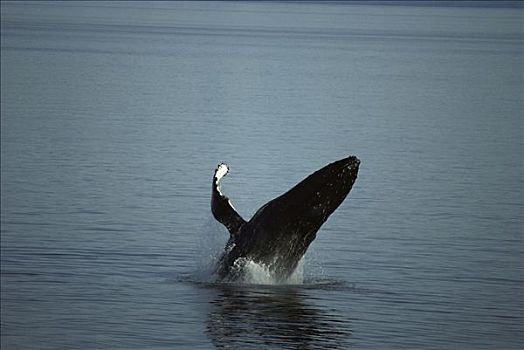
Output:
(280, 232)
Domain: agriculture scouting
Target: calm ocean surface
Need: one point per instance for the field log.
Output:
(114, 116)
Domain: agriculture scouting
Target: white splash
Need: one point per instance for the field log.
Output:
(258, 273)
(212, 239)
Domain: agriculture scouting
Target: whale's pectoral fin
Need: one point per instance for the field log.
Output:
(221, 207)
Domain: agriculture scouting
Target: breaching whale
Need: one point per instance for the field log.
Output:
(280, 232)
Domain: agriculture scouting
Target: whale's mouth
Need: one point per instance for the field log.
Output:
(333, 182)
(351, 163)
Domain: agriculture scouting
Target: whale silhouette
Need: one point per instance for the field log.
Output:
(280, 232)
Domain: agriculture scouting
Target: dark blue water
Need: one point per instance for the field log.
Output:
(114, 116)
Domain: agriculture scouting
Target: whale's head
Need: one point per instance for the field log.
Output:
(285, 227)
(324, 190)
(314, 199)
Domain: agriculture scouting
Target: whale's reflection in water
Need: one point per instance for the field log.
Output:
(284, 317)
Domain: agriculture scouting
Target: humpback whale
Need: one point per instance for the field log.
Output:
(280, 232)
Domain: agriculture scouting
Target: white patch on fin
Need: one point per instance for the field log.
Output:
(221, 171)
